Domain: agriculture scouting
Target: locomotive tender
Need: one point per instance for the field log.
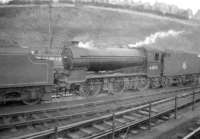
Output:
(22, 76)
(89, 71)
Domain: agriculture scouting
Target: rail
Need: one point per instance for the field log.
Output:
(193, 134)
(151, 111)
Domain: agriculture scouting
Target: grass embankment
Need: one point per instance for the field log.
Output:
(29, 27)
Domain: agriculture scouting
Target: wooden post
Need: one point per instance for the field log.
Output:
(50, 27)
(113, 125)
(193, 100)
(56, 132)
(175, 109)
(149, 116)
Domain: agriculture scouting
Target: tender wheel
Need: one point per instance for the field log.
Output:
(198, 80)
(180, 81)
(195, 80)
(164, 82)
(90, 89)
(31, 97)
(155, 83)
(142, 83)
(29, 101)
(13, 95)
(132, 83)
(117, 86)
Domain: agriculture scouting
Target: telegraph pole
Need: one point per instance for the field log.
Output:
(50, 26)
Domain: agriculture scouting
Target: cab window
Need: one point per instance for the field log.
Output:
(156, 56)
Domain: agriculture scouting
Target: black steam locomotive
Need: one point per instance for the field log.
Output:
(89, 71)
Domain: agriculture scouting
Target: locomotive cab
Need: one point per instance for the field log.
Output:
(155, 67)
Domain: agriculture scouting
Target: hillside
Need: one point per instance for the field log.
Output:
(29, 27)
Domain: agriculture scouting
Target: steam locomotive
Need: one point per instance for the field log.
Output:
(90, 71)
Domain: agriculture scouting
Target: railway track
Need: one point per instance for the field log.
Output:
(33, 121)
(194, 132)
(188, 130)
(103, 126)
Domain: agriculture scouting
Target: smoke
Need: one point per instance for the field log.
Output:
(87, 45)
(147, 41)
(154, 37)
(5, 1)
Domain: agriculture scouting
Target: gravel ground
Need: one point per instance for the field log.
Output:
(171, 128)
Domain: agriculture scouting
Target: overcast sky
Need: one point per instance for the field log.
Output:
(192, 4)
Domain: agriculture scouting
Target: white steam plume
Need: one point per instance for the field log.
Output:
(5, 1)
(154, 37)
(87, 45)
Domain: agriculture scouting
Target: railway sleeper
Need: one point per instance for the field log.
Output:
(134, 132)
(180, 136)
(21, 119)
(152, 123)
(123, 136)
(6, 120)
(86, 130)
(30, 127)
(99, 127)
(153, 110)
(131, 118)
(108, 123)
(164, 117)
(39, 127)
(73, 135)
(142, 112)
(191, 129)
(35, 116)
(137, 115)
(198, 123)
(160, 120)
(47, 115)
(143, 127)
(121, 120)
(14, 129)
(46, 125)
